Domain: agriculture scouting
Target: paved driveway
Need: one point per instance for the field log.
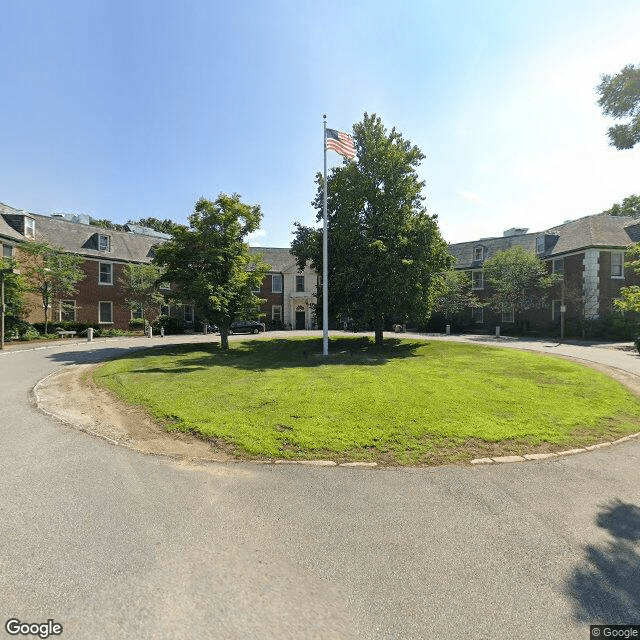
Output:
(113, 544)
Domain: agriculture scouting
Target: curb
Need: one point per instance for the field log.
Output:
(544, 456)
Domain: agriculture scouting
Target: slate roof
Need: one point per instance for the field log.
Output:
(281, 260)
(598, 231)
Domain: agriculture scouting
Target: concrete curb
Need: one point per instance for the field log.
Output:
(546, 456)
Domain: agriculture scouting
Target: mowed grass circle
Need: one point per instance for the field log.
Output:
(413, 402)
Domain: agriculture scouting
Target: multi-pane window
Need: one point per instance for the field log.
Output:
(477, 280)
(507, 316)
(106, 312)
(478, 253)
(7, 251)
(558, 266)
(276, 283)
(299, 283)
(68, 310)
(276, 313)
(188, 313)
(106, 273)
(476, 315)
(617, 264)
(103, 243)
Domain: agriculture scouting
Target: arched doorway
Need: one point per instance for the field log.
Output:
(300, 317)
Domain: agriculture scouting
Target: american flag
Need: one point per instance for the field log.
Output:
(341, 142)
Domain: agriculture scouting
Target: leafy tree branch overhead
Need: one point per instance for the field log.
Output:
(620, 99)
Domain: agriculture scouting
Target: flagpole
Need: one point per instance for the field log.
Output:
(325, 258)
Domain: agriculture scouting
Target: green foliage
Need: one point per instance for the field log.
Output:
(106, 224)
(163, 226)
(518, 280)
(140, 285)
(385, 250)
(454, 294)
(620, 98)
(630, 206)
(630, 296)
(210, 261)
(170, 325)
(413, 402)
(49, 272)
(14, 287)
(137, 323)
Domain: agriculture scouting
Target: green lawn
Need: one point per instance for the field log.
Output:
(415, 402)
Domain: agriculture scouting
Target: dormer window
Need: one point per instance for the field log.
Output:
(478, 253)
(104, 243)
(540, 244)
(29, 227)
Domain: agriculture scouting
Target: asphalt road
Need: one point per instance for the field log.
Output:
(112, 544)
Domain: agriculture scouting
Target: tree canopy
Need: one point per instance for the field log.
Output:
(385, 250)
(50, 273)
(630, 206)
(141, 289)
(163, 226)
(13, 287)
(519, 281)
(455, 294)
(630, 296)
(210, 263)
(620, 98)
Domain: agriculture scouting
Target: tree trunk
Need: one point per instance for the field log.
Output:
(224, 338)
(379, 337)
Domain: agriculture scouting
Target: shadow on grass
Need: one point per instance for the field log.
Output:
(605, 587)
(279, 353)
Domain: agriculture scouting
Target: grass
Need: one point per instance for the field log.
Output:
(414, 402)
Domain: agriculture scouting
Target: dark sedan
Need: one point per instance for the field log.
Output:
(246, 326)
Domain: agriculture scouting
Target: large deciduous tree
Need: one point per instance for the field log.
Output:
(455, 294)
(630, 206)
(50, 273)
(210, 264)
(630, 296)
(385, 250)
(519, 281)
(14, 287)
(620, 98)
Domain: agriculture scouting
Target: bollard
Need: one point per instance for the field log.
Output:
(149, 331)
(497, 331)
(162, 332)
(90, 334)
(447, 329)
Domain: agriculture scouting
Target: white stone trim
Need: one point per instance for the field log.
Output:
(591, 282)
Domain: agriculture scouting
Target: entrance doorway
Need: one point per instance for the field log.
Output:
(300, 319)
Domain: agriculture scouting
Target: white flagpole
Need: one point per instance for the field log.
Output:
(325, 258)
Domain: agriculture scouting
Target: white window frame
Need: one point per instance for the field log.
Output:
(68, 304)
(478, 253)
(29, 227)
(477, 275)
(477, 310)
(277, 307)
(104, 242)
(100, 281)
(557, 266)
(100, 320)
(299, 279)
(273, 289)
(188, 315)
(619, 275)
(507, 316)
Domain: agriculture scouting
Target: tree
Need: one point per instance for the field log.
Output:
(163, 226)
(630, 296)
(13, 288)
(140, 283)
(210, 262)
(454, 294)
(620, 98)
(630, 207)
(519, 281)
(385, 250)
(50, 273)
(106, 224)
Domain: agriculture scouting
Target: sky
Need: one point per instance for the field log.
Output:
(129, 109)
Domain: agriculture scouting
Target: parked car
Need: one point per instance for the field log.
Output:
(246, 326)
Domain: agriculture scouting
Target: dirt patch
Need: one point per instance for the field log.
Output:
(70, 395)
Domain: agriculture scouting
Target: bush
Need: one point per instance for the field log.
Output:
(137, 324)
(30, 334)
(170, 325)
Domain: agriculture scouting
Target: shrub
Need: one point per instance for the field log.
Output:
(170, 325)
(30, 334)
(138, 324)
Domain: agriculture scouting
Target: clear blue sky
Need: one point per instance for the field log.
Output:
(137, 108)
